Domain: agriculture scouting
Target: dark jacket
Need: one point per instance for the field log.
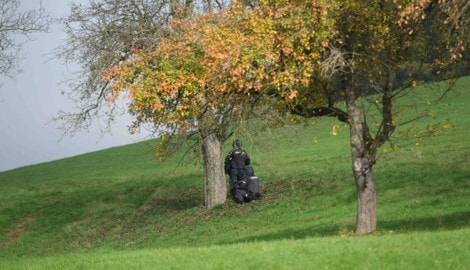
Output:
(236, 159)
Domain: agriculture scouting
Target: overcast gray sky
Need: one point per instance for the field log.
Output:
(28, 102)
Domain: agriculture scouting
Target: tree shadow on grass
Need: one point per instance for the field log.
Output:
(290, 233)
(173, 204)
(167, 204)
(445, 222)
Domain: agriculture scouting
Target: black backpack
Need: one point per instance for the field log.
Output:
(253, 188)
(252, 184)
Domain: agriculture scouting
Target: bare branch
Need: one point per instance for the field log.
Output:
(15, 24)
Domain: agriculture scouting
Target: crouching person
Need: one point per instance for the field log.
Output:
(240, 175)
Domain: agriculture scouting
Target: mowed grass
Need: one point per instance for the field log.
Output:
(428, 250)
(120, 209)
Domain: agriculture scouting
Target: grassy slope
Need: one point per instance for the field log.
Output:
(118, 199)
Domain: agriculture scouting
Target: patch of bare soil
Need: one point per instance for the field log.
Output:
(17, 231)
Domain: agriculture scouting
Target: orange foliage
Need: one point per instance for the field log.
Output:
(217, 60)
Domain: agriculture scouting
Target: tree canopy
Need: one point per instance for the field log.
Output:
(220, 63)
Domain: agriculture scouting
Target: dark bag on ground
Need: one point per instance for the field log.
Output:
(252, 184)
(253, 188)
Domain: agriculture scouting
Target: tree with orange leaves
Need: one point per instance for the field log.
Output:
(213, 69)
(382, 48)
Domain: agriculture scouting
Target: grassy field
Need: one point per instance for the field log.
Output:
(120, 209)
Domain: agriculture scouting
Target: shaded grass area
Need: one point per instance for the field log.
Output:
(122, 199)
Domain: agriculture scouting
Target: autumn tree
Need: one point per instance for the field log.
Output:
(376, 47)
(374, 50)
(197, 80)
(213, 70)
(16, 24)
(108, 38)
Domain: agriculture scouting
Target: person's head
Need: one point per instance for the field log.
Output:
(237, 144)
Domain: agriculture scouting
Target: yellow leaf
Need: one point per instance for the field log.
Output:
(334, 131)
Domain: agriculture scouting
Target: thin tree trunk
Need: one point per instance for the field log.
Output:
(362, 169)
(215, 186)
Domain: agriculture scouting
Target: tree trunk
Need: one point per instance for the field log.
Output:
(366, 221)
(215, 186)
(362, 169)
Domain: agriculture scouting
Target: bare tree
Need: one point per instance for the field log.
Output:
(15, 25)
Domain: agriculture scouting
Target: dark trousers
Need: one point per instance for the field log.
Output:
(240, 195)
(236, 175)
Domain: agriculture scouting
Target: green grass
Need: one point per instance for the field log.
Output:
(435, 250)
(120, 209)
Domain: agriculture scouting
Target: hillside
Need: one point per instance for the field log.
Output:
(123, 199)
